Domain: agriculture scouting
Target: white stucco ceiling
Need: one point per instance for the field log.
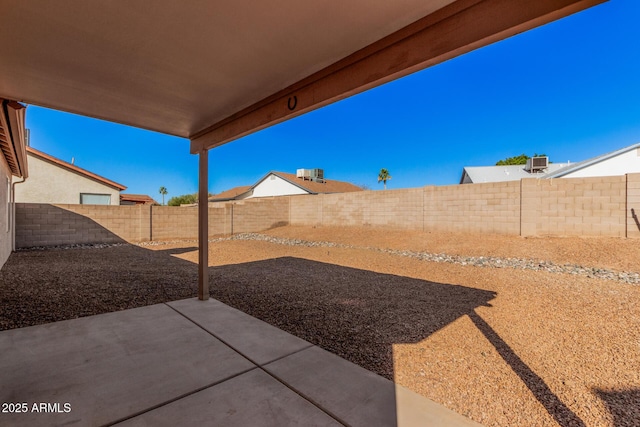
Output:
(179, 66)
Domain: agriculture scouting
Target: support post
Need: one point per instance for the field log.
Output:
(203, 225)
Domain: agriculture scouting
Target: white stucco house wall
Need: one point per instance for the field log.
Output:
(619, 162)
(13, 165)
(284, 184)
(276, 185)
(52, 180)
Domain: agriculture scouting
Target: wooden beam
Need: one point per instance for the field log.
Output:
(461, 27)
(203, 226)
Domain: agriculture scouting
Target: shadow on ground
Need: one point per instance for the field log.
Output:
(356, 314)
(42, 286)
(360, 314)
(624, 406)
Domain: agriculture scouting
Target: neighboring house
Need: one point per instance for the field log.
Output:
(620, 162)
(52, 180)
(479, 174)
(306, 181)
(137, 199)
(234, 194)
(13, 163)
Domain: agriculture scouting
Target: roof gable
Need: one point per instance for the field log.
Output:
(592, 161)
(230, 194)
(311, 187)
(479, 174)
(73, 168)
(316, 187)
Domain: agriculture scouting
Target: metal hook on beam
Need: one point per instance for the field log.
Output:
(295, 103)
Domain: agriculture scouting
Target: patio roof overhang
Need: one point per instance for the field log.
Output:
(215, 71)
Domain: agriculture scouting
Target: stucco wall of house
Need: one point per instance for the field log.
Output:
(275, 186)
(49, 183)
(624, 163)
(6, 233)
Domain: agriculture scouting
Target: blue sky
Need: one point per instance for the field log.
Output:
(569, 89)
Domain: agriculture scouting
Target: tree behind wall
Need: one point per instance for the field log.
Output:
(185, 199)
(384, 177)
(164, 192)
(517, 160)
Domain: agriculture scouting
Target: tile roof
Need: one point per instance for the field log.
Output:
(75, 169)
(142, 199)
(314, 187)
(230, 194)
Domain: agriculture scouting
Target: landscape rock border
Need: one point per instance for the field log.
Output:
(627, 277)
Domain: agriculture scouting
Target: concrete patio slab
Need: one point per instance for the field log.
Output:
(251, 399)
(356, 396)
(256, 340)
(110, 366)
(170, 364)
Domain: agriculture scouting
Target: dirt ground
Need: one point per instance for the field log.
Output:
(505, 347)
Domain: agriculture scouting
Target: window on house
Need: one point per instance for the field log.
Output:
(95, 199)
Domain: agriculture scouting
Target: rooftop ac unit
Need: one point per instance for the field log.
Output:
(537, 164)
(303, 173)
(317, 175)
(311, 174)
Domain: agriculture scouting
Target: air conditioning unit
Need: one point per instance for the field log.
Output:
(311, 174)
(317, 175)
(303, 173)
(537, 164)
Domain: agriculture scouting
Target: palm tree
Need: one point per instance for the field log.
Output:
(384, 177)
(163, 191)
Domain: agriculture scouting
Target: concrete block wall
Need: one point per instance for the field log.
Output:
(633, 205)
(392, 208)
(305, 210)
(169, 223)
(253, 215)
(50, 225)
(47, 225)
(576, 206)
(489, 208)
(606, 206)
(220, 220)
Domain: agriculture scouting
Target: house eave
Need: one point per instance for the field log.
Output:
(12, 137)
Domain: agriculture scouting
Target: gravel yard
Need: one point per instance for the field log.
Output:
(508, 331)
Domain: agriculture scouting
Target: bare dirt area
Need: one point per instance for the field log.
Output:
(503, 346)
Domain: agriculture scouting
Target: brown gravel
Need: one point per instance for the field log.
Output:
(504, 347)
